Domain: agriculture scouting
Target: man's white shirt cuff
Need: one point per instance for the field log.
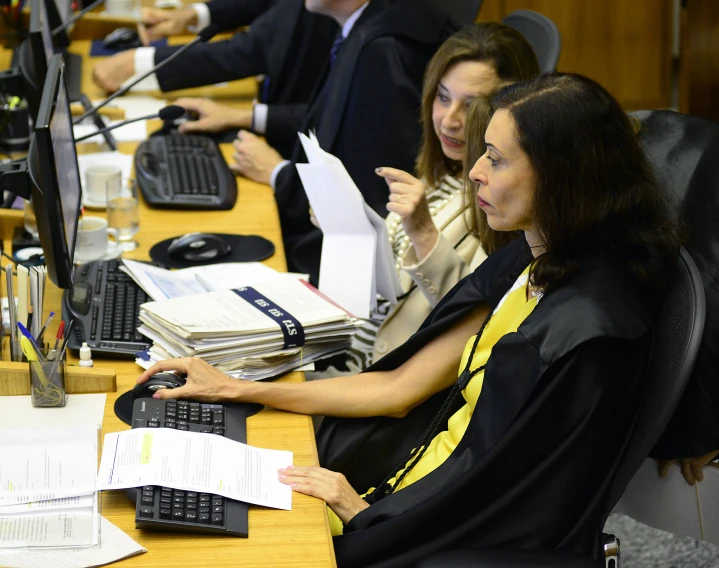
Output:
(259, 118)
(144, 61)
(203, 17)
(276, 172)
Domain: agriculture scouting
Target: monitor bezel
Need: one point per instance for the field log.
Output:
(45, 187)
(32, 62)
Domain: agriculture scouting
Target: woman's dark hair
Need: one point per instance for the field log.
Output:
(475, 126)
(504, 48)
(595, 192)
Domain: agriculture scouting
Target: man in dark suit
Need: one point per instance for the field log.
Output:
(285, 43)
(366, 111)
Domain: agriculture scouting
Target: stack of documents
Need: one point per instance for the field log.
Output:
(357, 262)
(250, 332)
(48, 492)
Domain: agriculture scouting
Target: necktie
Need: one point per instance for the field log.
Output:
(335, 49)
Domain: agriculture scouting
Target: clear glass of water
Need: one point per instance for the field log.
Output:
(123, 210)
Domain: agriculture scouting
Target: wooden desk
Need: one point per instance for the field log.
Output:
(299, 537)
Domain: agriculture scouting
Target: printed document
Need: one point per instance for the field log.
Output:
(114, 545)
(357, 262)
(44, 524)
(48, 463)
(192, 461)
(162, 284)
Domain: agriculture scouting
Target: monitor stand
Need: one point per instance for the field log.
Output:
(73, 73)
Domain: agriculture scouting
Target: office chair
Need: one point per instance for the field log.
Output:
(541, 33)
(677, 335)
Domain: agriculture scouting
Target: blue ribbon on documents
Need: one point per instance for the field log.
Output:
(292, 329)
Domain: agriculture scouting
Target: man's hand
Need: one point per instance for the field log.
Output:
(163, 23)
(204, 382)
(331, 487)
(113, 71)
(692, 468)
(213, 117)
(408, 198)
(254, 158)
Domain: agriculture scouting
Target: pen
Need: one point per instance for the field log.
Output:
(58, 338)
(67, 337)
(30, 338)
(44, 327)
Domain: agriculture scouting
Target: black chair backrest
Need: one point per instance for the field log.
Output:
(684, 152)
(541, 33)
(677, 335)
(462, 12)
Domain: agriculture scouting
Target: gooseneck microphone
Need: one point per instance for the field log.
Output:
(205, 34)
(169, 113)
(76, 17)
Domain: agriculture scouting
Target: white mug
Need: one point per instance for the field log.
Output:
(92, 243)
(121, 7)
(96, 178)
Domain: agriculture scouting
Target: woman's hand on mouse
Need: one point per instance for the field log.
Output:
(112, 72)
(408, 199)
(203, 383)
(213, 117)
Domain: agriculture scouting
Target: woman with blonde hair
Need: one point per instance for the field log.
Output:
(428, 224)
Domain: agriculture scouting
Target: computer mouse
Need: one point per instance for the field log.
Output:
(158, 382)
(198, 247)
(122, 38)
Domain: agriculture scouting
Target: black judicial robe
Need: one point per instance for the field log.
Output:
(366, 111)
(533, 470)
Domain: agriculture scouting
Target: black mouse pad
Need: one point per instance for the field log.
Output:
(124, 402)
(244, 248)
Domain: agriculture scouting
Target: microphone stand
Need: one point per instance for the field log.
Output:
(204, 35)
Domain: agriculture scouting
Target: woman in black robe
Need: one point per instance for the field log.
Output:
(559, 395)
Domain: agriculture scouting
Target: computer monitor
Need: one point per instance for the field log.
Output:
(35, 52)
(54, 176)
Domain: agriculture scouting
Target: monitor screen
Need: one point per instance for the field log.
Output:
(52, 164)
(34, 54)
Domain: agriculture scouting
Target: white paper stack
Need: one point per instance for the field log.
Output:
(48, 494)
(251, 332)
(357, 262)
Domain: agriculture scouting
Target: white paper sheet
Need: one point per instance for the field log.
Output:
(48, 463)
(79, 410)
(191, 461)
(132, 132)
(136, 106)
(357, 262)
(45, 525)
(162, 284)
(114, 545)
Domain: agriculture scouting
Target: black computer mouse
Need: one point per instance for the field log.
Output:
(122, 38)
(158, 382)
(198, 247)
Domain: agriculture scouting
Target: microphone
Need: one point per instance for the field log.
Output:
(169, 113)
(76, 17)
(203, 36)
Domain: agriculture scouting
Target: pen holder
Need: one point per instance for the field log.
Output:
(47, 380)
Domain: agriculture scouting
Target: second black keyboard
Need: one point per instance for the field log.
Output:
(184, 171)
(105, 304)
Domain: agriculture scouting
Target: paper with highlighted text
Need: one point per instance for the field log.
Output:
(193, 461)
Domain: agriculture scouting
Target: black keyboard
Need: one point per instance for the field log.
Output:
(105, 304)
(172, 509)
(185, 172)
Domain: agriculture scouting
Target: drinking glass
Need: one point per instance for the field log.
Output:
(123, 210)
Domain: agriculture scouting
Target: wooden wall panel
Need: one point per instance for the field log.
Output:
(699, 71)
(623, 44)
